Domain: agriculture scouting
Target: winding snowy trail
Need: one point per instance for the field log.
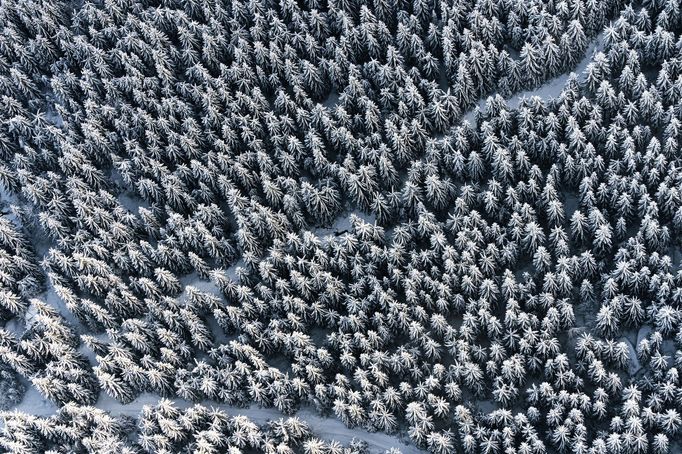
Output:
(551, 88)
(329, 429)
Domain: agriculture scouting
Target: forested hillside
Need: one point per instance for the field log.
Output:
(341, 210)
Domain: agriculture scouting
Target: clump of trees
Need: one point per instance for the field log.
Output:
(47, 354)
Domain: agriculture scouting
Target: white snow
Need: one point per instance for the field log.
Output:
(6, 196)
(15, 326)
(55, 118)
(486, 406)
(132, 202)
(34, 403)
(669, 348)
(331, 101)
(232, 271)
(342, 224)
(193, 280)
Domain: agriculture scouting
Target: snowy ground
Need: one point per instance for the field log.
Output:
(54, 117)
(342, 224)
(550, 89)
(131, 202)
(331, 101)
(194, 281)
(34, 403)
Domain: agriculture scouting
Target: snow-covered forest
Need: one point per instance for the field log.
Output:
(341, 226)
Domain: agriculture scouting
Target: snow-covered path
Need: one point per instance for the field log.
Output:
(551, 88)
(330, 429)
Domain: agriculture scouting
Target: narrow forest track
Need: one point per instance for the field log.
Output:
(328, 429)
(550, 88)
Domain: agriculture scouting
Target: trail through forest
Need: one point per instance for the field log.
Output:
(330, 429)
(550, 89)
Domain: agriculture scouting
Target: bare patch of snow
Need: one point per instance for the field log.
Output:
(193, 280)
(668, 348)
(15, 326)
(131, 202)
(53, 116)
(570, 204)
(232, 271)
(89, 354)
(41, 242)
(332, 100)
(643, 333)
(6, 196)
(486, 406)
(35, 404)
(342, 224)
